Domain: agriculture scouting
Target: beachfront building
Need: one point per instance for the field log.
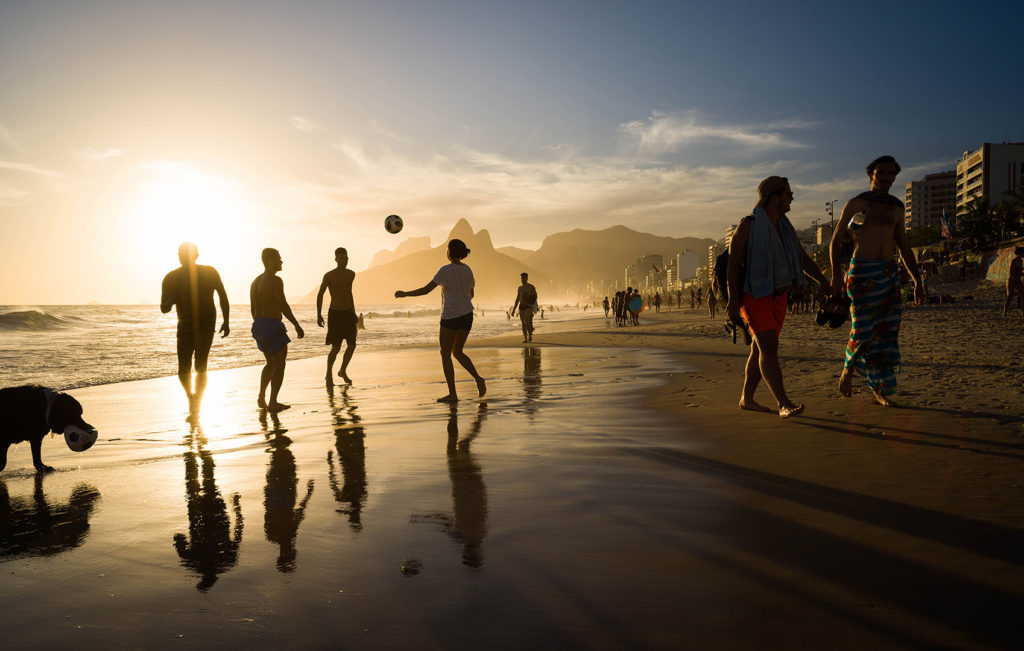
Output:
(991, 170)
(824, 234)
(687, 263)
(708, 272)
(928, 198)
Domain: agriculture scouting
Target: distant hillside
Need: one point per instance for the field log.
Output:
(496, 274)
(515, 252)
(577, 257)
(410, 245)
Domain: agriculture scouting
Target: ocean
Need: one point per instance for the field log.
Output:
(72, 346)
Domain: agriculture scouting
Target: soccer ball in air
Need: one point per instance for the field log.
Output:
(393, 224)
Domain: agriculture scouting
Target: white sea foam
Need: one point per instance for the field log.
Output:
(72, 346)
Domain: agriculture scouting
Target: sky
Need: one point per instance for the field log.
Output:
(129, 127)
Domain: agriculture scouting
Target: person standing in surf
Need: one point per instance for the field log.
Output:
(190, 288)
(457, 284)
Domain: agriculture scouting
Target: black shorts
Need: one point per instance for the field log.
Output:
(341, 326)
(464, 322)
(195, 340)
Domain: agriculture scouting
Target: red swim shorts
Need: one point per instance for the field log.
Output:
(765, 313)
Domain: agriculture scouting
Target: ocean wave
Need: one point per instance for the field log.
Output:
(403, 314)
(34, 320)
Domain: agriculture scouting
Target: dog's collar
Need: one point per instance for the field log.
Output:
(50, 396)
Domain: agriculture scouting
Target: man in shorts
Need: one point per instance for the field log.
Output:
(268, 304)
(526, 299)
(775, 263)
(342, 321)
(190, 289)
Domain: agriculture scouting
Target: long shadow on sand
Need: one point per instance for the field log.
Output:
(885, 432)
(989, 614)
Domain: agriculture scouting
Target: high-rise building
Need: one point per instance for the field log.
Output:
(928, 198)
(991, 170)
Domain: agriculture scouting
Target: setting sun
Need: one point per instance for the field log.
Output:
(179, 205)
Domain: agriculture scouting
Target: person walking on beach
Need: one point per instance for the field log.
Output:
(775, 263)
(712, 304)
(342, 321)
(1014, 281)
(268, 304)
(526, 299)
(657, 302)
(606, 307)
(190, 288)
(873, 221)
(457, 283)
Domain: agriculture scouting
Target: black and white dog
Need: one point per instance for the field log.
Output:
(28, 413)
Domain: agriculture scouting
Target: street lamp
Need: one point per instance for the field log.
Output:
(830, 206)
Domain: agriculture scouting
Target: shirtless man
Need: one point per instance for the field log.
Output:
(526, 299)
(1014, 281)
(266, 297)
(190, 288)
(342, 321)
(873, 221)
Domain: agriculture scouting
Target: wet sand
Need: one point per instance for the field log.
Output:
(606, 494)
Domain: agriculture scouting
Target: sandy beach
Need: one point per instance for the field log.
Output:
(607, 493)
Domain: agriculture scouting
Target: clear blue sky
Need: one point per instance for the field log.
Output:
(127, 127)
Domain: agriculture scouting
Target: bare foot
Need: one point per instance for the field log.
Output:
(344, 376)
(329, 380)
(751, 405)
(275, 407)
(790, 411)
(846, 383)
(885, 402)
(449, 398)
(481, 386)
(261, 403)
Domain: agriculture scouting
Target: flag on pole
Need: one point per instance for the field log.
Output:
(946, 230)
(656, 270)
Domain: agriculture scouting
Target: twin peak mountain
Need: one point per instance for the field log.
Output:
(563, 262)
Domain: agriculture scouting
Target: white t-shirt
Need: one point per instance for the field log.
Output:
(456, 281)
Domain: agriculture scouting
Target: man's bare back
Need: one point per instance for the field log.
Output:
(265, 296)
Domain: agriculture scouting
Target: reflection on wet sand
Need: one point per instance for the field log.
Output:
(211, 547)
(468, 523)
(349, 440)
(38, 526)
(531, 378)
(282, 518)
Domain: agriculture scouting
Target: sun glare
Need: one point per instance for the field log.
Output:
(188, 206)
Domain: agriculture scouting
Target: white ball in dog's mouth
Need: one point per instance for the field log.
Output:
(78, 439)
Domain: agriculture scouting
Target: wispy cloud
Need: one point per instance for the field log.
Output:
(7, 139)
(29, 168)
(90, 154)
(669, 132)
(305, 125)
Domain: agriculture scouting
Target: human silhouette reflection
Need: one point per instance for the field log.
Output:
(531, 378)
(38, 526)
(349, 441)
(211, 547)
(282, 518)
(468, 523)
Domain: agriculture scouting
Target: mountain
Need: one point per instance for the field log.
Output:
(577, 257)
(411, 245)
(515, 252)
(496, 274)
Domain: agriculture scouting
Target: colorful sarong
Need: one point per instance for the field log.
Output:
(877, 309)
